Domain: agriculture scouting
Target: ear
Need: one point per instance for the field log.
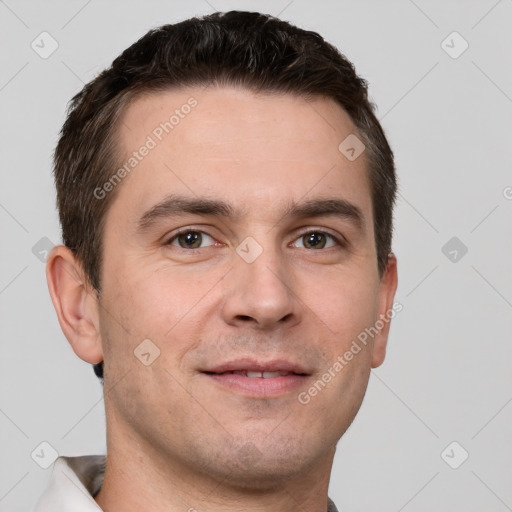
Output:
(75, 303)
(388, 284)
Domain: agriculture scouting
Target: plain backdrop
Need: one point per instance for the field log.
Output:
(447, 111)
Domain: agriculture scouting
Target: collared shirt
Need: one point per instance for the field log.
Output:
(76, 480)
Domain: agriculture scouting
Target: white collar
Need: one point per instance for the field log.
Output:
(73, 484)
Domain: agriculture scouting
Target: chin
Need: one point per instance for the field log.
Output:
(251, 468)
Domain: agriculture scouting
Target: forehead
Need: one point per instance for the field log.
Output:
(237, 145)
(216, 115)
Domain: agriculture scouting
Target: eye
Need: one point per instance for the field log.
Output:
(317, 240)
(191, 240)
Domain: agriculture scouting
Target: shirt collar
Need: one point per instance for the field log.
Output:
(73, 484)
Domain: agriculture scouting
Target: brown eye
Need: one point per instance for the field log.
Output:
(191, 240)
(316, 240)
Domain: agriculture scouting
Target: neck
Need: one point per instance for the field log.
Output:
(140, 477)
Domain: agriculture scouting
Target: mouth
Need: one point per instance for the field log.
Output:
(258, 379)
(254, 374)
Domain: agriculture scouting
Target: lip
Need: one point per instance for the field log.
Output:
(258, 387)
(274, 365)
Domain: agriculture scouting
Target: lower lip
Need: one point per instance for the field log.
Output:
(258, 386)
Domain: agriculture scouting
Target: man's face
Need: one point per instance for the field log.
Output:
(283, 275)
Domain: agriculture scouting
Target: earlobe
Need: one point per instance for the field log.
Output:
(386, 312)
(75, 303)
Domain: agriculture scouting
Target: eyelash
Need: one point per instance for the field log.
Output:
(339, 241)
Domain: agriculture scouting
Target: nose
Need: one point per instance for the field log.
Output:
(260, 293)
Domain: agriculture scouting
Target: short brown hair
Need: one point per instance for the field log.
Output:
(250, 50)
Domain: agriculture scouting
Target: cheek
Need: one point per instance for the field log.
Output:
(343, 305)
(140, 323)
(149, 300)
(343, 310)
(166, 305)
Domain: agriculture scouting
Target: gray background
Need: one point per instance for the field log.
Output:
(447, 376)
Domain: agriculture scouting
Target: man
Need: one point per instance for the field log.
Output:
(225, 193)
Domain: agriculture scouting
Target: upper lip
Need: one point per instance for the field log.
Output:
(253, 365)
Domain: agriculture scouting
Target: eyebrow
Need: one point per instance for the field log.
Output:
(175, 205)
(335, 207)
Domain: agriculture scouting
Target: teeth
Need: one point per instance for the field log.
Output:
(253, 375)
(265, 375)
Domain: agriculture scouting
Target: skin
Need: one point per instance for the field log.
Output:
(175, 440)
